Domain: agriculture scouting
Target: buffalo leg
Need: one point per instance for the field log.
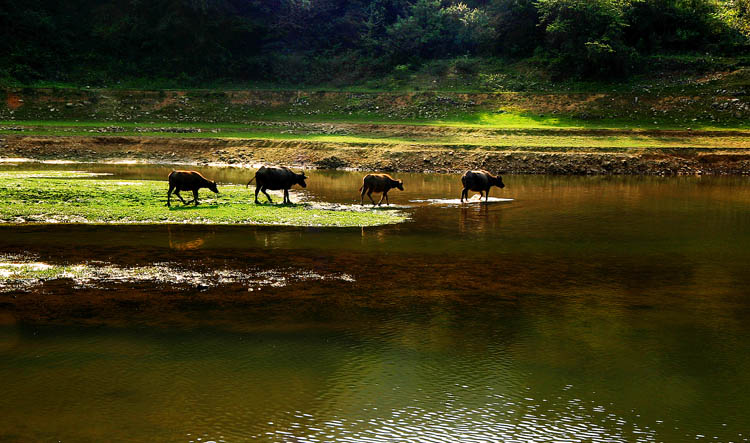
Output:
(385, 194)
(481, 194)
(487, 195)
(195, 196)
(169, 193)
(177, 193)
(464, 193)
(263, 189)
(257, 190)
(381, 199)
(286, 197)
(369, 194)
(362, 196)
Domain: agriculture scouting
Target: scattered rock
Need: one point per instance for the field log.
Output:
(331, 162)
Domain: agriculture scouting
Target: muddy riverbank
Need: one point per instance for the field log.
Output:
(443, 158)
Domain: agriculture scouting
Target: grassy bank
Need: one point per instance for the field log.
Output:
(78, 197)
(702, 126)
(706, 101)
(399, 135)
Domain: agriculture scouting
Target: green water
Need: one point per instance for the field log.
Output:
(585, 309)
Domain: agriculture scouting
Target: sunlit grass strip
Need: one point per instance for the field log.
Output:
(560, 138)
(32, 197)
(518, 119)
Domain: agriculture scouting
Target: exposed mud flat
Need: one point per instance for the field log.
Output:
(22, 273)
(42, 291)
(381, 157)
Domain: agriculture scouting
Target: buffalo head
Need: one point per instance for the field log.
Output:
(301, 180)
(498, 181)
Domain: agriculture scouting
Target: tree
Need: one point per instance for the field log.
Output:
(433, 31)
(585, 37)
(515, 25)
(673, 25)
(737, 14)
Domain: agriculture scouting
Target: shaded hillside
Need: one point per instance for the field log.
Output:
(188, 43)
(714, 100)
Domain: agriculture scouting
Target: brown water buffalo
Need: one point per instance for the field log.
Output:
(378, 183)
(479, 181)
(188, 181)
(275, 178)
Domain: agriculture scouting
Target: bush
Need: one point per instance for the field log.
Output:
(437, 67)
(25, 74)
(401, 72)
(467, 66)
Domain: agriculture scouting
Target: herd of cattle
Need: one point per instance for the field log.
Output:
(282, 178)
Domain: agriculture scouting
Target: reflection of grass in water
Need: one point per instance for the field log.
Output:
(68, 198)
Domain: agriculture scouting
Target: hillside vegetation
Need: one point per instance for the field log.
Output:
(384, 44)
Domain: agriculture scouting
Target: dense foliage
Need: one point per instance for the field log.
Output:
(304, 41)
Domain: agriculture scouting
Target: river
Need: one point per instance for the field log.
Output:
(565, 309)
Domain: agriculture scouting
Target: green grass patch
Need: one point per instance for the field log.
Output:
(269, 119)
(80, 197)
(511, 137)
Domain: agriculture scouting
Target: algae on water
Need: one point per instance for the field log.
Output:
(84, 197)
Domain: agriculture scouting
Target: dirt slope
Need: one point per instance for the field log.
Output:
(364, 156)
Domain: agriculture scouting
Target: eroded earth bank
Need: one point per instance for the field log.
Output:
(417, 157)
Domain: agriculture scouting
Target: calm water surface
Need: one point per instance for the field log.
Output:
(586, 309)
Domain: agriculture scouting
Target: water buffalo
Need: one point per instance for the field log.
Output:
(275, 178)
(378, 183)
(188, 181)
(479, 181)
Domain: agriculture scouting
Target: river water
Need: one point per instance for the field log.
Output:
(565, 309)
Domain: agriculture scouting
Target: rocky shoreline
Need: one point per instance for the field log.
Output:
(379, 157)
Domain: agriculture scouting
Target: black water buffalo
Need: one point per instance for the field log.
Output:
(188, 181)
(479, 181)
(378, 183)
(275, 178)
